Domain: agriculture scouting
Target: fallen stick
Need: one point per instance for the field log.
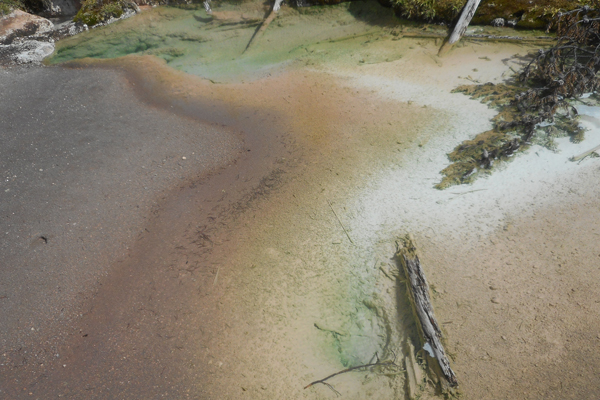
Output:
(461, 26)
(206, 5)
(265, 24)
(477, 37)
(585, 154)
(323, 381)
(342, 225)
(418, 290)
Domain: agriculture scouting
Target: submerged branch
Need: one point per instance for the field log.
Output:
(323, 381)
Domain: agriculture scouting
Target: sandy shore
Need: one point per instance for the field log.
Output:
(279, 270)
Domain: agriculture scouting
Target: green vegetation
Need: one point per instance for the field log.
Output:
(93, 12)
(515, 129)
(429, 10)
(6, 6)
(525, 13)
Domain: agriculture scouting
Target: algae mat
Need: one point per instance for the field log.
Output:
(214, 48)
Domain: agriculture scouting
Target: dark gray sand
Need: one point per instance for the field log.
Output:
(83, 165)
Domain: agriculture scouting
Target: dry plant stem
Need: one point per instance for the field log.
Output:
(418, 290)
(461, 25)
(384, 363)
(585, 154)
(338, 218)
(216, 276)
(265, 24)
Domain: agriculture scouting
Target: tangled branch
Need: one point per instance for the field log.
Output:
(565, 71)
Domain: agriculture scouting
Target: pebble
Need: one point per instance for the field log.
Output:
(184, 158)
(495, 300)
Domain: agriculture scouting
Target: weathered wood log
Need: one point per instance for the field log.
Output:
(418, 291)
(206, 5)
(461, 26)
(263, 27)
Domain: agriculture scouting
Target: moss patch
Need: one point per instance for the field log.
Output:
(429, 10)
(515, 129)
(6, 6)
(527, 14)
(93, 12)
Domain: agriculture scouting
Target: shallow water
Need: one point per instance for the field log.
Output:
(191, 41)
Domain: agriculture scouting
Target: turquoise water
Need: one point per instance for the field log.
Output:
(190, 40)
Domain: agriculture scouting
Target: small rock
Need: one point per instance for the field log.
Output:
(499, 22)
(511, 23)
(495, 300)
(20, 24)
(184, 158)
(25, 38)
(503, 337)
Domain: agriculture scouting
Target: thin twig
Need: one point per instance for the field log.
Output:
(384, 363)
(338, 218)
(216, 276)
(470, 191)
(585, 154)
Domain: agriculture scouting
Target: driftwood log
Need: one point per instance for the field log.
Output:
(418, 292)
(263, 27)
(461, 25)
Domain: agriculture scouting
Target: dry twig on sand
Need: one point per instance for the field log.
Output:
(376, 364)
(342, 225)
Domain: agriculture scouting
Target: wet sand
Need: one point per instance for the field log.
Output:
(278, 270)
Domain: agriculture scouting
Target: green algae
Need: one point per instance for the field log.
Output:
(93, 12)
(509, 135)
(6, 6)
